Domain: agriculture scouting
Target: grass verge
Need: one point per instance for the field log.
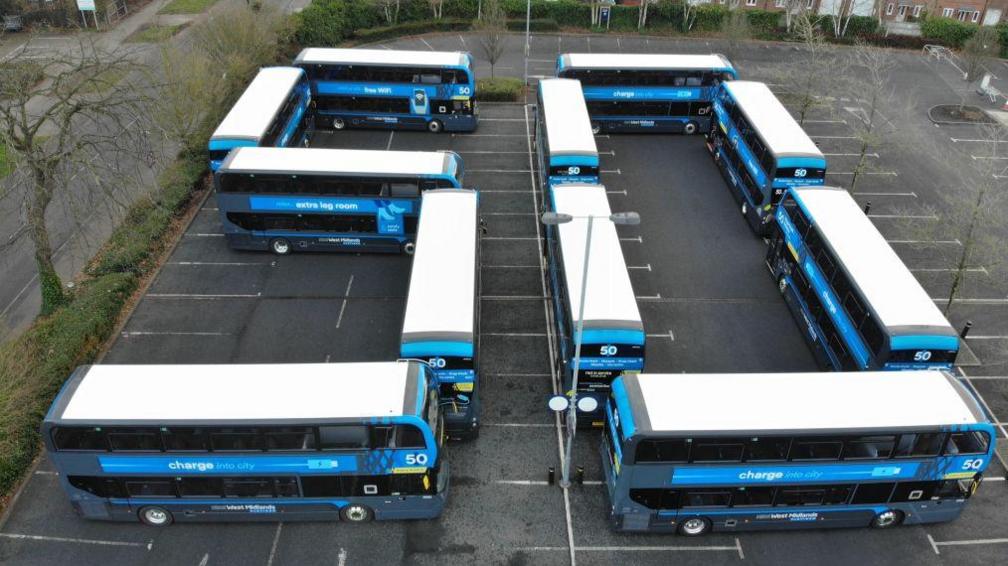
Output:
(500, 89)
(5, 165)
(34, 365)
(186, 6)
(154, 33)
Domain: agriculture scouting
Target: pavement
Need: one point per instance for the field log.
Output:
(707, 301)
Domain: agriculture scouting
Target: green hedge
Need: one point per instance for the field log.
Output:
(538, 24)
(949, 31)
(411, 28)
(500, 89)
(34, 365)
(1002, 31)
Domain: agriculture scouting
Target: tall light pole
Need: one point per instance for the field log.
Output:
(528, 25)
(555, 219)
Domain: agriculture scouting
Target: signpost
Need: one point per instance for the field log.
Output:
(88, 6)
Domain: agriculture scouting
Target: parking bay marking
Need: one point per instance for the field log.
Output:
(736, 548)
(935, 544)
(20, 536)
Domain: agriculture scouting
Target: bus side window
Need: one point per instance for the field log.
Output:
(343, 437)
(971, 442)
(403, 190)
(408, 436)
(920, 444)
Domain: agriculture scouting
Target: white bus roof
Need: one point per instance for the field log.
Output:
(566, 117)
(782, 134)
(892, 292)
(166, 393)
(346, 161)
(800, 401)
(442, 289)
(327, 55)
(609, 301)
(645, 61)
(254, 111)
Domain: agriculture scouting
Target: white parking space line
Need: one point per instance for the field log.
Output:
(46, 473)
(668, 335)
(623, 192)
(429, 46)
(170, 333)
(273, 548)
(388, 146)
(841, 121)
(97, 542)
(346, 296)
(908, 216)
(987, 377)
(492, 135)
(611, 171)
(875, 155)
(517, 425)
(462, 41)
(960, 140)
(655, 297)
(499, 171)
(509, 238)
(503, 120)
(647, 267)
(221, 263)
(202, 235)
(203, 561)
(989, 301)
(985, 337)
(516, 334)
(511, 266)
(833, 137)
(882, 173)
(975, 157)
(636, 239)
(203, 296)
(935, 544)
(955, 242)
(737, 548)
(539, 482)
(980, 269)
(910, 194)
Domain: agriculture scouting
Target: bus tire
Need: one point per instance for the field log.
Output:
(690, 128)
(782, 284)
(887, 518)
(435, 126)
(596, 127)
(338, 124)
(280, 246)
(356, 513)
(694, 526)
(155, 516)
(409, 248)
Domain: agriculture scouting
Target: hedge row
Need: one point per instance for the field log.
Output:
(34, 365)
(500, 89)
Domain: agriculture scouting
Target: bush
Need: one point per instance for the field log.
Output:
(411, 28)
(763, 22)
(34, 365)
(328, 22)
(709, 17)
(500, 89)
(1002, 31)
(538, 24)
(948, 31)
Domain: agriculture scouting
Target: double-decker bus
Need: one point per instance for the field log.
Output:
(284, 199)
(859, 304)
(165, 443)
(613, 336)
(273, 111)
(433, 90)
(760, 149)
(732, 452)
(565, 144)
(441, 323)
(636, 92)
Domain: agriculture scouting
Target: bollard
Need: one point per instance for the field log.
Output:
(966, 329)
(551, 475)
(579, 475)
(867, 207)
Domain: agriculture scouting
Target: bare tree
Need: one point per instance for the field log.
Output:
(642, 12)
(972, 219)
(437, 7)
(74, 139)
(812, 70)
(841, 12)
(793, 9)
(492, 29)
(736, 31)
(978, 51)
(390, 8)
(870, 87)
(689, 14)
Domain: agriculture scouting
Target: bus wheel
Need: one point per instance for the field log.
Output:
(782, 284)
(434, 126)
(280, 246)
(596, 127)
(155, 516)
(690, 128)
(694, 526)
(408, 248)
(886, 519)
(356, 513)
(338, 124)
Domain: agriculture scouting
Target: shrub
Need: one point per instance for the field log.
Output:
(500, 89)
(538, 24)
(763, 21)
(34, 365)
(709, 17)
(411, 28)
(947, 30)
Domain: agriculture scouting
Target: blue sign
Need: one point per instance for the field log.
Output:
(612, 363)
(739, 475)
(642, 93)
(333, 205)
(204, 465)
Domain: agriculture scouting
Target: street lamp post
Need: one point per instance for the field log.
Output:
(528, 25)
(555, 219)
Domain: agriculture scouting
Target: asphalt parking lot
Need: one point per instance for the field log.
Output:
(703, 290)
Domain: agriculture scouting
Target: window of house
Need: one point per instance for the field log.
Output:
(947, 12)
(889, 9)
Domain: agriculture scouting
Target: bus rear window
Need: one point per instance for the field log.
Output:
(970, 442)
